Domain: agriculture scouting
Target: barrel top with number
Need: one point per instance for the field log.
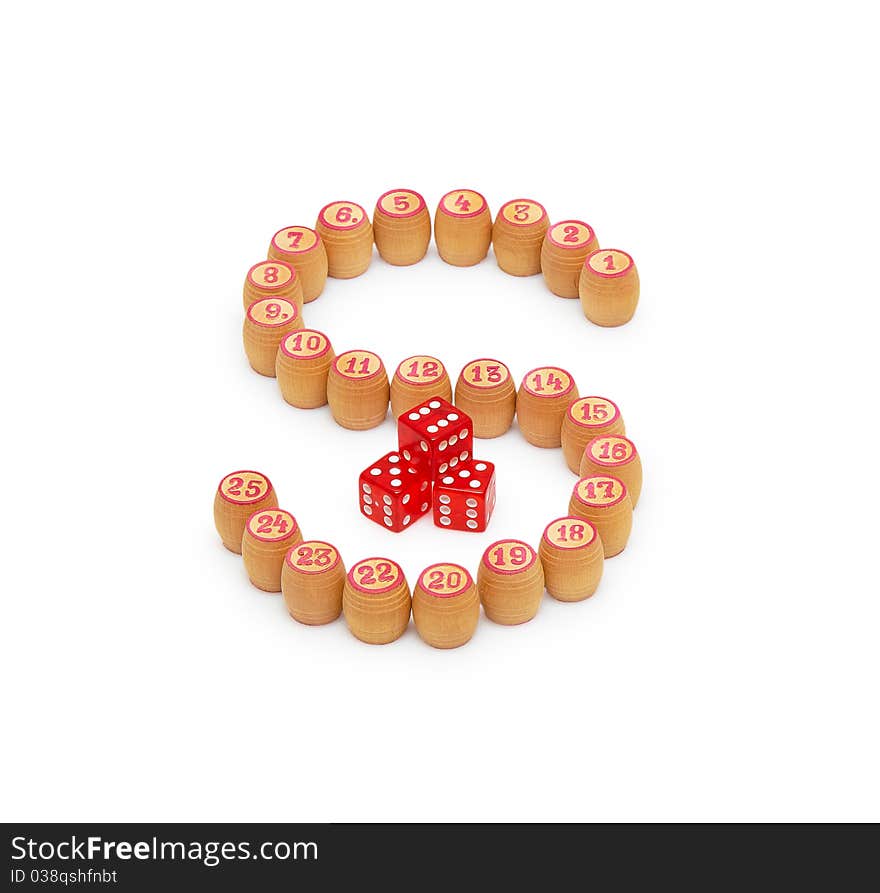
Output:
(445, 580)
(609, 262)
(375, 575)
(403, 371)
(618, 449)
(342, 215)
(312, 344)
(271, 275)
(271, 312)
(324, 557)
(523, 212)
(505, 564)
(401, 203)
(558, 533)
(244, 487)
(564, 379)
(593, 412)
(571, 234)
(271, 525)
(498, 376)
(296, 239)
(361, 371)
(463, 203)
(600, 491)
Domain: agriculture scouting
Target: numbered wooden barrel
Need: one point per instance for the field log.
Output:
(563, 253)
(302, 366)
(572, 557)
(272, 279)
(268, 534)
(415, 380)
(510, 582)
(585, 419)
(266, 323)
(303, 249)
(617, 455)
(517, 236)
(358, 390)
(446, 606)
(401, 227)
(376, 601)
(347, 234)
(485, 391)
(238, 496)
(609, 287)
(541, 403)
(604, 501)
(463, 227)
(312, 578)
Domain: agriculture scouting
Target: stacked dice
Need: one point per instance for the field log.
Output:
(433, 466)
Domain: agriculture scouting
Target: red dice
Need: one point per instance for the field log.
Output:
(394, 492)
(435, 436)
(465, 496)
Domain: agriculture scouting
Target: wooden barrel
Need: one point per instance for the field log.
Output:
(517, 236)
(376, 601)
(238, 496)
(401, 227)
(463, 227)
(416, 380)
(563, 252)
(617, 455)
(303, 249)
(541, 403)
(446, 606)
(604, 501)
(510, 582)
(357, 390)
(572, 557)
(302, 366)
(347, 234)
(485, 391)
(312, 578)
(609, 287)
(586, 418)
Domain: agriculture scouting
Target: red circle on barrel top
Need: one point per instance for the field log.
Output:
(568, 246)
(520, 567)
(594, 398)
(305, 332)
(336, 226)
(529, 201)
(553, 394)
(610, 463)
(491, 384)
(271, 539)
(601, 505)
(349, 376)
(421, 206)
(245, 501)
(388, 588)
(467, 583)
(286, 229)
(291, 550)
(442, 207)
(271, 262)
(272, 325)
(617, 273)
(574, 519)
(421, 384)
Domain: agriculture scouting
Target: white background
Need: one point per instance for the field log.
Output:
(727, 667)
